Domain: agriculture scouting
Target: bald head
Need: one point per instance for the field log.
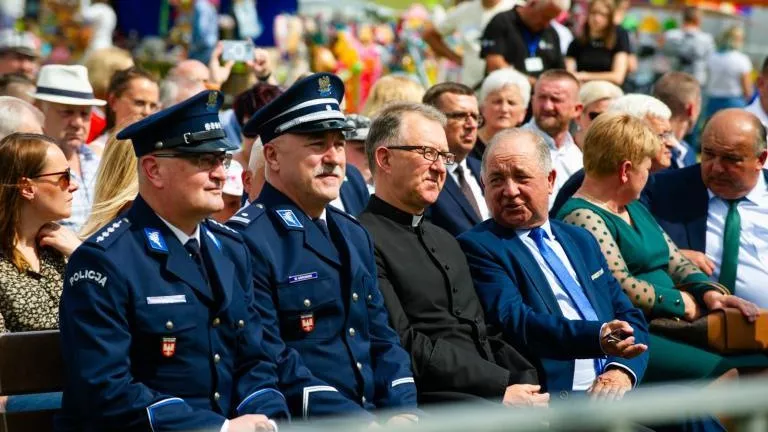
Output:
(733, 153)
(192, 70)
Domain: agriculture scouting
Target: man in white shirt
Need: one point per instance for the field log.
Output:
(759, 107)
(555, 104)
(689, 45)
(467, 20)
(461, 204)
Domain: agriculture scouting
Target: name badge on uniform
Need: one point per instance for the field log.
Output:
(302, 277)
(534, 64)
(307, 322)
(169, 347)
(289, 218)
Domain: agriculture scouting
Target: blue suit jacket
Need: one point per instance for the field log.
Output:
(325, 304)
(148, 345)
(517, 297)
(679, 201)
(452, 212)
(354, 194)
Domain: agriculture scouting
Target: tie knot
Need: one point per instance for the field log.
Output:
(734, 202)
(538, 234)
(459, 170)
(193, 247)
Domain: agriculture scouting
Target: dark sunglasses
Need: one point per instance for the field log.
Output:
(64, 181)
(203, 161)
(593, 115)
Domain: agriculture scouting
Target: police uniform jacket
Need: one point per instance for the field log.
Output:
(324, 301)
(148, 345)
(432, 303)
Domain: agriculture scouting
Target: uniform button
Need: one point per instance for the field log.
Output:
(241, 323)
(169, 325)
(307, 303)
(677, 302)
(352, 332)
(563, 395)
(216, 321)
(370, 297)
(359, 366)
(455, 290)
(355, 296)
(458, 311)
(661, 298)
(216, 396)
(363, 399)
(447, 267)
(216, 358)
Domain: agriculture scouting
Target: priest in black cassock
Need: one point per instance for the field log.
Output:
(423, 274)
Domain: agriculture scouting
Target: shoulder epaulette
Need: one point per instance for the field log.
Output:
(343, 213)
(220, 228)
(109, 233)
(246, 216)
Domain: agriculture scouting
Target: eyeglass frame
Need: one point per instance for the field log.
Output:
(225, 159)
(66, 177)
(423, 151)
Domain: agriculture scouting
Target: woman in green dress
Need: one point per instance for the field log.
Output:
(618, 149)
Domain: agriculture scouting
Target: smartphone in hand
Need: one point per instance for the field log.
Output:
(237, 50)
(616, 336)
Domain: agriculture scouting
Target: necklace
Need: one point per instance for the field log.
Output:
(600, 203)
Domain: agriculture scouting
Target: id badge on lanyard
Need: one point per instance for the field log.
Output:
(533, 63)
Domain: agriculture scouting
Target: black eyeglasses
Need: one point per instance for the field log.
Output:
(203, 161)
(429, 153)
(593, 115)
(463, 116)
(64, 181)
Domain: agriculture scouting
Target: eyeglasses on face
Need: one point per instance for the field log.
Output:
(463, 116)
(64, 180)
(203, 161)
(429, 153)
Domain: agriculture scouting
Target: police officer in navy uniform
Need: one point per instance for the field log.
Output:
(313, 265)
(159, 332)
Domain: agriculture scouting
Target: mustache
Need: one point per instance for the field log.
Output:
(326, 169)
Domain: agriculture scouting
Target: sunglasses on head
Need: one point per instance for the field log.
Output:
(65, 178)
(593, 115)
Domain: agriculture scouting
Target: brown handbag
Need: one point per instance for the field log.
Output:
(724, 331)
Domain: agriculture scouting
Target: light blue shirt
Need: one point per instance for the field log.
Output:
(82, 198)
(752, 269)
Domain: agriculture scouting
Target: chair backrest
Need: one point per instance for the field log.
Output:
(30, 362)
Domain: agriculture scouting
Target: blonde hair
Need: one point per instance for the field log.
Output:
(614, 138)
(594, 91)
(102, 64)
(392, 88)
(117, 184)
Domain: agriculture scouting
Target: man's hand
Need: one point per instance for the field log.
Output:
(611, 385)
(700, 260)
(717, 300)
(520, 395)
(692, 310)
(250, 423)
(58, 237)
(260, 65)
(626, 348)
(403, 420)
(219, 72)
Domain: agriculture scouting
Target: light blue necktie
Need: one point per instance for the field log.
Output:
(572, 288)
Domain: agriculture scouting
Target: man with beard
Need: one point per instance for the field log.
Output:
(461, 204)
(555, 104)
(720, 206)
(65, 97)
(313, 265)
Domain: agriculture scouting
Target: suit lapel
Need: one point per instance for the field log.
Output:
(699, 207)
(453, 190)
(579, 266)
(221, 270)
(474, 166)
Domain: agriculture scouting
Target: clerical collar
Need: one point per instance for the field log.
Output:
(380, 207)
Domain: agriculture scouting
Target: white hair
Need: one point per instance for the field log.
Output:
(256, 161)
(16, 114)
(640, 106)
(501, 78)
(594, 91)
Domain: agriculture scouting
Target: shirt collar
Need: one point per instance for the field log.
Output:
(380, 207)
(548, 139)
(462, 164)
(86, 152)
(181, 235)
(546, 226)
(323, 216)
(758, 195)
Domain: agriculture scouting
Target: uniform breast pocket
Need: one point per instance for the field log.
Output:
(310, 310)
(165, 340)
(167, 319)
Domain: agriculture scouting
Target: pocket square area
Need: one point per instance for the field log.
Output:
(597, 274)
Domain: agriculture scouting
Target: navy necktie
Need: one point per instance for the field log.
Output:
(569, 284)
(193, 248)
(323, 226)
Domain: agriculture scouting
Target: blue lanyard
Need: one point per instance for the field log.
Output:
(531, 40)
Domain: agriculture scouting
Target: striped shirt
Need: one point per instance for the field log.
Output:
(83, 196)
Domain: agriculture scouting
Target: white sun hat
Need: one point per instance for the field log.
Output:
(67, 85)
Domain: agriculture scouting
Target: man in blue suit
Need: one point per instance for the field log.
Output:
(717, 211)
(353, 194)
(461, 204)
(313, 265)
(545, 284)
(159, 330)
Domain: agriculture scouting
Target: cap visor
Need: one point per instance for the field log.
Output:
(212, 146)
(321, 126)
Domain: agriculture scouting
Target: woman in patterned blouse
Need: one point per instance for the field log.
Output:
(35, 190)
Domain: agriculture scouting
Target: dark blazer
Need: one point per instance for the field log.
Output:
(354, 193)
(147, 344)
(517, 297)
(323, 299)
(433, 306)
(566, 192)
(452, 212)
(679, 201)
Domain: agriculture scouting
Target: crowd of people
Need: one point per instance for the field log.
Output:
(503, 240)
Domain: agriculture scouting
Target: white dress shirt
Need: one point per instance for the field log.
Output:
(474, 186)
(566, 159)
(752, 269)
